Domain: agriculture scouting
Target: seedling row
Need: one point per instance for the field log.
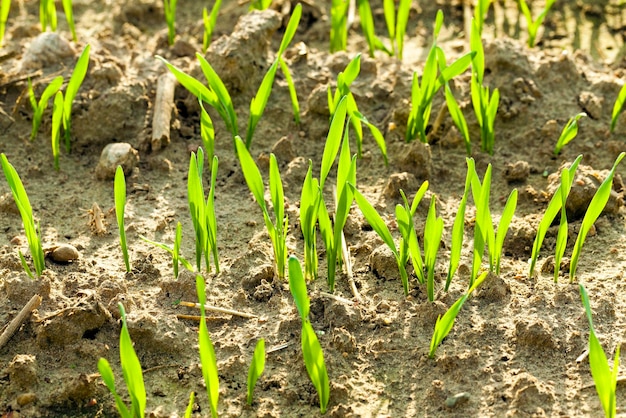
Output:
(417, 257)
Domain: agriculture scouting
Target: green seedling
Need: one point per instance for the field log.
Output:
(33, 232)
(422, 93)
(260, 4)
(484, 233)
(120, 203)
(367, 25)
(561, 238)
(189, 410)
(344, 80)
(76, 80)
(485, 104)
(57, 119)
(169, 9)
(207, 352)
(215, 95)
(339, 25)
(277, 230)
(396, 24)
(618, 106)
(47, 15)
(552, 210)
(604, 378)
(458, 227)
(598, 202)
(310, 199)
(256, 368)
(203, 211)
(174, 251)
(258, 103)
(533, 25)
(406, 226)
(209, 21)
(408, 246)
(332, 233)
(40, 106)
(5, 7)
(69, 16)
(311, 348)
(133, 375)
(433, 229)
(569, 132)
(483, 228)
(446, 322)
(480, 11)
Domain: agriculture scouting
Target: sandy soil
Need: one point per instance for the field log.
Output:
(514, 348)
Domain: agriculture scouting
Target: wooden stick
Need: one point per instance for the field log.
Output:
(17, 322)
(220, 310)
(337, 298)
(163, 105)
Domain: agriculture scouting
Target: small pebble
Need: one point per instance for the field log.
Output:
(26, 398)
(119, 153)
(63, 253)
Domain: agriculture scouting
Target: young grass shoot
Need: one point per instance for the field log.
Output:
(446, 322)
(534, 25)
(311, 348)
(76, 80)
(278, 229)
(33, 232)
(423, 93)
(203, 211)
(5, 8)
(344, 80)
(209, 21)
(258, 103)
(604, 377)
(207, 351)
(339, 25)
(598, 202)
(396, 24)
(618, 107)
(40, 106)
(569, 132)
(169, 9)
(133, 375)
(554, 207)
(256, 368)
(120, 203)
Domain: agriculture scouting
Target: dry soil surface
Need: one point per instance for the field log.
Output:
(514, 350)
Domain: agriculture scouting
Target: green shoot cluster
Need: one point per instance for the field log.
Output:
(435, 75)
(311, 348)
(120, 203)
(533, 25)
(604, 378)
(33, 232)
(277, 230)
(203, 211)
(62, 107)
(169, 9)
(133, 375)
(48, 16)
(209, 21)
(344, 80)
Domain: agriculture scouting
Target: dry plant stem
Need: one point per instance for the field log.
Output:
(337, 298)
(163, 106)
(345, 253)
(278, 347)
(17, 322)
(219, 310)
